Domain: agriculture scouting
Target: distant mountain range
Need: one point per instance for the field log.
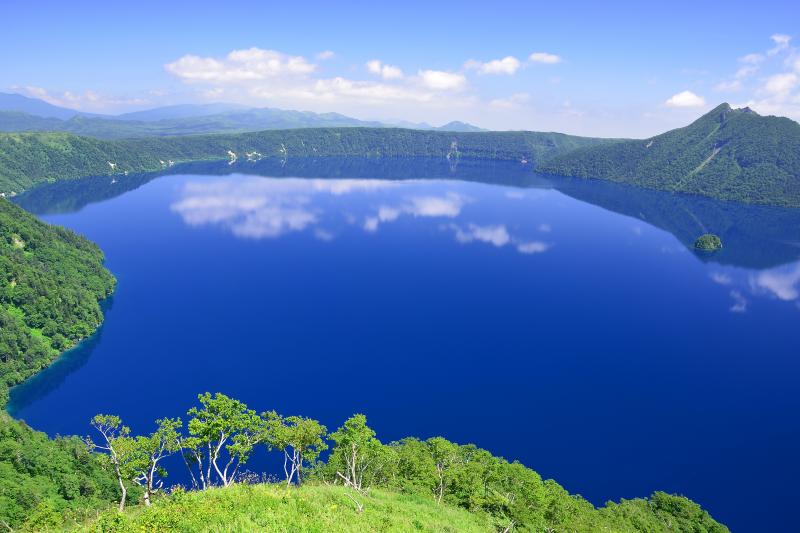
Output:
(19, 114)
(727, 154)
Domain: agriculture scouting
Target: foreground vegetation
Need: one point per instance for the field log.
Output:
(363, 483)
(49, 481)
(730, 154)
(51, 281)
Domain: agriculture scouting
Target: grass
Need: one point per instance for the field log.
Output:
(273, 507)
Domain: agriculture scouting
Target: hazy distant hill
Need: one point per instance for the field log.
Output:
(33, 106)
(21, 114)
(731, 154)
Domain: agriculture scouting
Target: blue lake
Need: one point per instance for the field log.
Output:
(564, 323)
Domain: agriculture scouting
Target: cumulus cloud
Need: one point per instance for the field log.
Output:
(239, 65)
(781, 283)
(545, 58)
(259, 208)
(387, 72)
(781, 84)
(442, 80)
(496, 235)
(448, 205)
(507, 65)
(685, 99)
(325, 55)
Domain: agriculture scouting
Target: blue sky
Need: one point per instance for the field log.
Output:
(613, 68)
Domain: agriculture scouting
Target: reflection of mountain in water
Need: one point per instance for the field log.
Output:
(753, 236)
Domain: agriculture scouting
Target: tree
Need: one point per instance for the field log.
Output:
(147, 453)
(300, 439)
(117, 444)
(358, 457)
(224, 429)
(445, 454)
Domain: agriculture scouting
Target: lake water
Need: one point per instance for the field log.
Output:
(563, 323)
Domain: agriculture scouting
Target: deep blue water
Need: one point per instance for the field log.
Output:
(582, 337)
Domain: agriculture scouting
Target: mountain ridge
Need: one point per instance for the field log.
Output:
(730, 154)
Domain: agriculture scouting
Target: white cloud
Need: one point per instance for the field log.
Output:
(436, 206)
(544, 57)
(739, 302)
(781, 43)
(752, 59)
(441, 80)
(84, 101)
(728, 86)
(325, 55)
(746, 71)
(781, 84)
(507, 65)
(720, 278)
(260, 208)
(240, 65)
(685, 99)
(447, 206)
(532, 247)
(545, 228)
(781, 283)
(512, 102)
(387, 72)
(496, 235)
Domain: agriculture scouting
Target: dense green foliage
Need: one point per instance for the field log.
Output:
(730, 154)
(708, 243)
(397, 478)
(51, 281)
(28, 159)
(44, 481)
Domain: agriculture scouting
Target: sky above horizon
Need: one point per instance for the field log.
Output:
(628, 69)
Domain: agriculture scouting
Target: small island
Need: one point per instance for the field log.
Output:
(708, 243)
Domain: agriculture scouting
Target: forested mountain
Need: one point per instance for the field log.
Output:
(51, 282)
(730, 154)
(27, 159)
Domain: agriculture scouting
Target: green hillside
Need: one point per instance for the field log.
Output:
(28, 159)
(41, 478)
(729, 154)
(51, 281)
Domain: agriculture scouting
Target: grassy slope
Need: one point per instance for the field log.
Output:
(326, 508)
(28, 159)
(309, 509)
(726, 154)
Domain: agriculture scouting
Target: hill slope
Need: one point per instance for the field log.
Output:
(730, 154)
(330, 508)
(50, 283)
